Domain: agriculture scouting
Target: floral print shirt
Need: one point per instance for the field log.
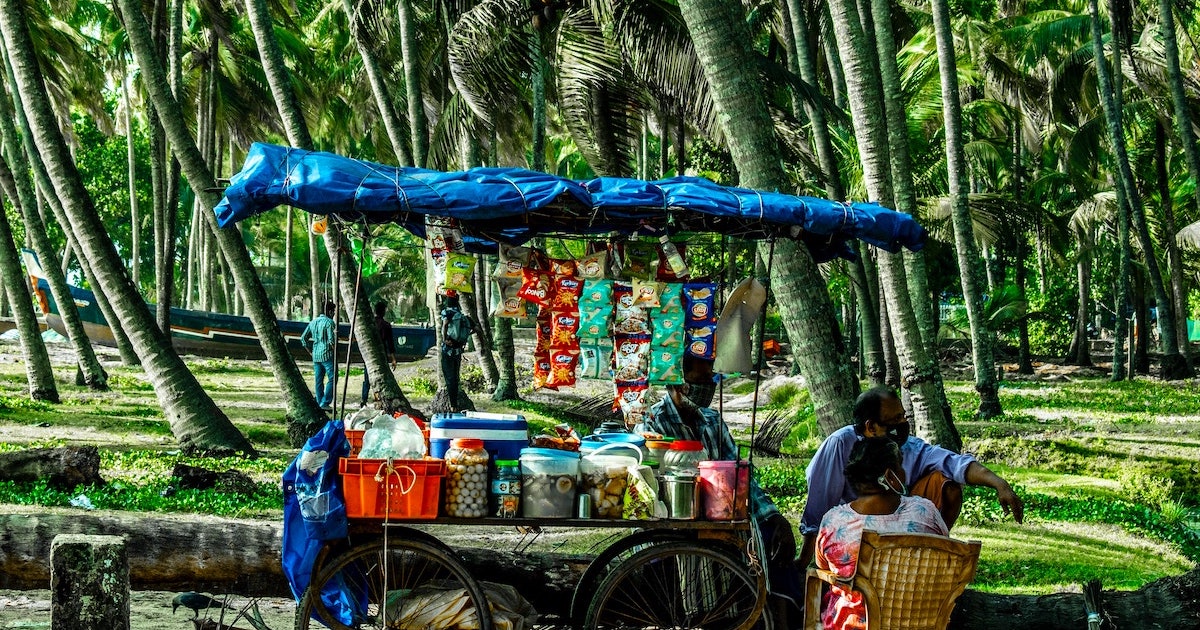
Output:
(837, 551)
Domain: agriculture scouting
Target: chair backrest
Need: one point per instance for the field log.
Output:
(911, 581)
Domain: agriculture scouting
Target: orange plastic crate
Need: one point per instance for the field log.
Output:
(355, 437)
(411, 491)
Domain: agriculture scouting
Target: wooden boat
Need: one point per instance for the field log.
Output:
(210, 334)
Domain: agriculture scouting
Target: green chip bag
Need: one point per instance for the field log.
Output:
(594, 323)
(460, 271)
(597, 293)
(666, 365)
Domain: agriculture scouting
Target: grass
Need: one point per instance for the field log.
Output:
(1108, 471)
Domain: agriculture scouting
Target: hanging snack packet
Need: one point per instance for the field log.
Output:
(460, 270)
(668, 330)
(595, 358)
(444, 237)
(511, 304)
(541, 370)
(535, 287)
(641, 260)
(631, 358)
(562, 267)
(513, 260)
(545, 330)
(701, 341)
(593, 266)
(700, 299)
(566, 293)
(645, 293)
(596, 293)
(593, 324)
(563, 329)
(631, 401)
(562, 368)
(670, 297)
(666, 366)
(630, 319)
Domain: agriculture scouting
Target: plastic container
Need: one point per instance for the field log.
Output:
(682, 455)
(680, 495)
(467, 479)
(549, 479)
(657, 449)
(354, 437)
(724, 489)
(506, 489)
(604, 474)
(503, 435)
(409, 490)
(589, 443)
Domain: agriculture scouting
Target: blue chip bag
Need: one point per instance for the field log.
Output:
(701, 341)
(700, 300)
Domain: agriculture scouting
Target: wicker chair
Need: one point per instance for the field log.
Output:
(908, 581)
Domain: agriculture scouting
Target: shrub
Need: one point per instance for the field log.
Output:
(1139, 486)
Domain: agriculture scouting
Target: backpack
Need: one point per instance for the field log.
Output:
(459, 328)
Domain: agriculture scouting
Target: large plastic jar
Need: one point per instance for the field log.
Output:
(548, 481)
(682, 455)
(656, 450)
(724, 489)
(604, 474)
(466, 478)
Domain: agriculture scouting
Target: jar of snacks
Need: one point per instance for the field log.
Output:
(466, 478)
(605, 475)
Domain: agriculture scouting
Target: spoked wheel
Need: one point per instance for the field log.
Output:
(407, 585)
(612, 557)
(678, 585)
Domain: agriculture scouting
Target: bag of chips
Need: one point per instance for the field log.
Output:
(513, 260)
(700, 298)
(631, 356)
(566, 293)
(562, 367)
(701, 341)
(460, 270)
(448, 238)
(562, 267)
(593, 324)
(595, 358)
(541, 370)
(645, 293)
(596, 293)
(511, 304)
(666, 365)
(631, 402)
(563, 328)
(593, 266)
(641, 260)
(535, 287)
(670, 298)
(668, 330)
(545, 330)
(628, 319)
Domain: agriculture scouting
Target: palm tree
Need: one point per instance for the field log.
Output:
(722, 44)
(371, 65)
(37, 360)
(1183, 120)
(382, 380)
(195, 419)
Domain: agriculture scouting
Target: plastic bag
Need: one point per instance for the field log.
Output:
(641, 496)
(397, 438)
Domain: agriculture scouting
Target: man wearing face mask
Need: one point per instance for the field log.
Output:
(935, 473)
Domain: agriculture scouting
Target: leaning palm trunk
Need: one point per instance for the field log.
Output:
(412, 82)
(135, 218)
(1183, 120)
(722, 44)
(383, 97)
(383, 382)
(93, 373)
(195, 419)
(866, 108)
(1174, 260)
(302, 408)
(982, 339)
(37, 361)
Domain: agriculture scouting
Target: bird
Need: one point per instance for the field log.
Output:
(196, 602)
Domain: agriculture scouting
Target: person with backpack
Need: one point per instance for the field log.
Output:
(320, 338)
(457, 328)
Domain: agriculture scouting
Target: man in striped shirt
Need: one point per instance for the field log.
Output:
(320, 338)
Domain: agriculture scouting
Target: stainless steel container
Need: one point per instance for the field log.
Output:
(680, 495)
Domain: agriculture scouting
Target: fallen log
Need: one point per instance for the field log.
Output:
(190, 552)
(64, 467)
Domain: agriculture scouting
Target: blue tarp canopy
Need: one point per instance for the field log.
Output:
(513, 205)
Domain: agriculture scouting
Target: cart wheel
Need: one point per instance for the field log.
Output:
(415, 590)
(607, 560)
(678, 585)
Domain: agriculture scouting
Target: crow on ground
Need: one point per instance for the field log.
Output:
(196, 602)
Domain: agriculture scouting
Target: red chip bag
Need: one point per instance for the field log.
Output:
(562, 267)
(567, 290)
(545, 331)
(541, 370)
(631, 402)
(564, 329)
(562, 368)
(535, 288)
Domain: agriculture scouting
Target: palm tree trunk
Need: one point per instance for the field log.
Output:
(37, 361)
(1024, 361)
(865, 278)
(863, 83)
(302, 408)
(379, 88)
(538, 50)
(1174, 261)
(287, 262)
(1183, 118)
(314, 270)
(410, 49)
(891, 362)
(722, 44)
(93, 373)
(833, 59)
(195, 419)
(1083, 275)
(134, 218)
(816, 114)
(982, 339)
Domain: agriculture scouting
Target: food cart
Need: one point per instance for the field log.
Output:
(666, 573)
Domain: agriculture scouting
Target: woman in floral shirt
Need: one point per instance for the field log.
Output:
(876, 473)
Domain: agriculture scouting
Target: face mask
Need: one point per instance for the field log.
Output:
(883, 481)
(898, 433)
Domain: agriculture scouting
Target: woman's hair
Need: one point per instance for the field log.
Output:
(870, 458)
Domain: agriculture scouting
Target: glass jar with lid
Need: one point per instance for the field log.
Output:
(467, 478)
(682, 455)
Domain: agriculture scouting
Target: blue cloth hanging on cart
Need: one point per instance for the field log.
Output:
(513, 205)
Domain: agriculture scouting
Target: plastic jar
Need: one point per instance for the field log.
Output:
(548, 481)
(604, 474)
(466, 478)
(682, 455)
(657, 449)
(724, 488)
(506, 489)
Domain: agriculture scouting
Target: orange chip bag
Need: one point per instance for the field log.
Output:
(562, 368)
(562, 267)
(567, 290)
(564, 327)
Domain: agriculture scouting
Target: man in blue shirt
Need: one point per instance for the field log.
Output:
(933, 472)
(320, 338)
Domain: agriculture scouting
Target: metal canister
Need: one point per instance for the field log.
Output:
(583, 505)
(679, 493)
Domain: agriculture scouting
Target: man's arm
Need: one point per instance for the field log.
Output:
(980, 475)
(306, 336)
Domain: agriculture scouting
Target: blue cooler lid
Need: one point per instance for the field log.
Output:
(456, 421)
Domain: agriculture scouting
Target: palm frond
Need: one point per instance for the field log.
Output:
(490, 56)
